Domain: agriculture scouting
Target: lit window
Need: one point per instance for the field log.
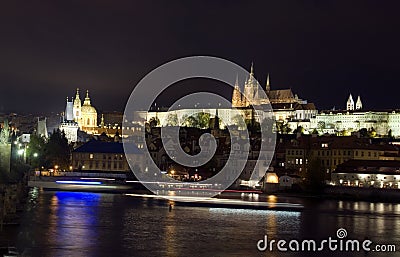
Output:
(91, 156)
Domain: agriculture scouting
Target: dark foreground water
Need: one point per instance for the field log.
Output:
(94, 224)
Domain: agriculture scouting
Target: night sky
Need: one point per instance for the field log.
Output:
(323, 50)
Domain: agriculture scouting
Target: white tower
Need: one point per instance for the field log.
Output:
(77, 110)
(358, 103)
(350, 103)
(69, 126)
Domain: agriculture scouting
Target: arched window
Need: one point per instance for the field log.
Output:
(88, 121)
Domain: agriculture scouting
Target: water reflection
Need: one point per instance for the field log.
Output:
(87, 224)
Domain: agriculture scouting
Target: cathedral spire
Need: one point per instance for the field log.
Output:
(358, 103)
(267, 85)
(237, 81)
(350, 103)
(252, 69)
(236, 95)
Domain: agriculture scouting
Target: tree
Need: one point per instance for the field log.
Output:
(154, 122)
(283, 128)
(299, 129)
(203, 120)
(238, 120)
(199, 120)
(57, 151)
(390, 134)
(35, 151)
(189, 121)
(172, 119)
(5, 133)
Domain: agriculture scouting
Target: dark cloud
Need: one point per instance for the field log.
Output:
(321, 49)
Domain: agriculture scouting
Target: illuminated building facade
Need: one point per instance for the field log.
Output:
(99, 156)
(368, 173)
(85, 114)
(69, 126)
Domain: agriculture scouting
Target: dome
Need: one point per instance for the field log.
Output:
(87, 109)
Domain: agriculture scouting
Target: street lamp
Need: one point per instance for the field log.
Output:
(35, 155)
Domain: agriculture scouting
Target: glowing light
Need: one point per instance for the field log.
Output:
(35, 155)
(20, 152)
(78, 182)
(272, 178)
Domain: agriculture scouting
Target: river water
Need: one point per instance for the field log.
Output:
(60, 223)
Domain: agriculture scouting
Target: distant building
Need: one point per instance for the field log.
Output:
(332, 151)
(286, 106)
(68, 125)
(368, 173)
(42, 128)
(99, 156)
(85, 115)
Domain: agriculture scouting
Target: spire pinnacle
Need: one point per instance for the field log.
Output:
(252, 69)
(87, 98)
(267, 85)
(237, 81)
(77, 100)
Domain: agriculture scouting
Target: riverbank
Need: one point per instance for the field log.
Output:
(12, 203)
(346, 193)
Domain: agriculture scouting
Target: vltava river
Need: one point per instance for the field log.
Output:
(96, 224)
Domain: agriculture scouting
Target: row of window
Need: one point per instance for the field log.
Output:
(105, 156)
(103, 165)
(337, 152)
(324, 162)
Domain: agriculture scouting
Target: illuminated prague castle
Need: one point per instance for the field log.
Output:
(285, 104)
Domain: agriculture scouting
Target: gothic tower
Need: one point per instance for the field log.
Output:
(267, 86)
(358, 103)
(250, 88)
(350, 103)
(237, 95)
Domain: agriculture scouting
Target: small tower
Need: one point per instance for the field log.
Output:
(69, 126)
(77, 109)
(249, 89)
(350, 103)
(358, 103)
(69, 113)
(87, 99)
(102, 125)
(267, 86)
(237, 95)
